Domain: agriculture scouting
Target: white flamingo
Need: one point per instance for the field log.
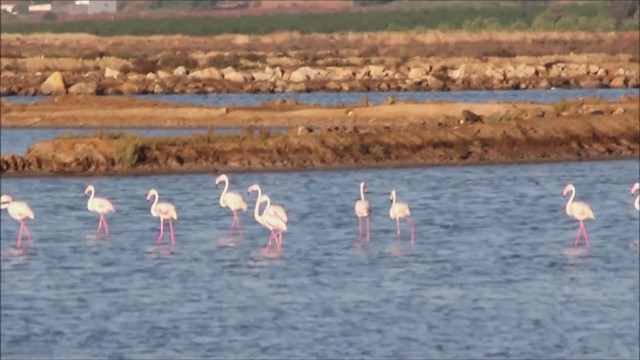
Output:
(20, 211)
(363, 210)
(400, 210)
(272, 222)
(580, 211)
(165, 211)
(271, 209)
(99, 205)
(233, 201)
(634, 188)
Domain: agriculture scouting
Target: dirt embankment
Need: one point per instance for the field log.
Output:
(292, 62)
(577, 130)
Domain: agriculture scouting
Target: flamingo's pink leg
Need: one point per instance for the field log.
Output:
(359, 229)
(106, 227)
(413, 228)
(26, 230)
(578, 235)
(99, 224)
(368, 228)
(173, 240)
(19, 244)
(398, 229)
(268, 247)
(279, 240)
(586, 237)
(161, 231)
(237, 219)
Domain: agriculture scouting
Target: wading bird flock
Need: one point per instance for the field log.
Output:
(274, 217)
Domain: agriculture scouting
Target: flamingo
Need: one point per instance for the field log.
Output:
(20, 211)
(634, 188)
(400, 210)
(275, 224)
(363, 210)
(233, 201)
(580, 211)
(99, 205)
(163, 210)
(272, 209)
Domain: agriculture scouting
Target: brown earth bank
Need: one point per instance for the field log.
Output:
(577, 130)
(44, 64)
(124, 112)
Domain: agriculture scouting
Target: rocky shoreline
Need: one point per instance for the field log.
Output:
(585, 129)
(266, 68)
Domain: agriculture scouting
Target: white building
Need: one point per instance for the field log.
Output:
(40, 8)
(102, 6)
(8, 8)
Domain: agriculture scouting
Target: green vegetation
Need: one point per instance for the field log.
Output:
(536, 15)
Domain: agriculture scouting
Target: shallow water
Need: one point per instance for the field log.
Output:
(489, 275)
(328, 98)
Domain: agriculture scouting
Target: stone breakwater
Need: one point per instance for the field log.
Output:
(574, 131)
(112, 76)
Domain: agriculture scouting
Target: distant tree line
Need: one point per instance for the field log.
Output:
(612, 15)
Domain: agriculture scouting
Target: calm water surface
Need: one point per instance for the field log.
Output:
(488, 276)
(544, 96)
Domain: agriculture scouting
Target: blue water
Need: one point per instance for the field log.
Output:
(542, 96)
(488, 276)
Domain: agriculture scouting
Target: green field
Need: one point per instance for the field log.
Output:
(520, 16)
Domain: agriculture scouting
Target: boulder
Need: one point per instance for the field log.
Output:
(525, 71)
(260, 76)
(593, 69)
(88, 88)
(228, 70)
(618, 82)
(235, 77)
(417, 74)
(151, 76)
(456, 74)
(208, 73)
(297, 87)
(342, 74)
(496, 74)
(434, 83)
(157, 89)
(163, 74)
(618, 111)
(333, 86)
(54, 85)
(377, 71)
(303, 74)
(128, 88)
(180, 71)
(602, 72)
(111, 73)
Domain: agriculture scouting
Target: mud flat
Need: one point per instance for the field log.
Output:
(396, 134)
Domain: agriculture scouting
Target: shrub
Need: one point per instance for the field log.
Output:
(127, 153)
(49, 16)
(223, 61)
(173, 60)
(144, 66)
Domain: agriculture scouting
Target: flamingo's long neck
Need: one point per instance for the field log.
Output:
(573, 195)
(256, 212)
(637, 203)
(362, 191)
(93, 192)
(393, 198)
(226, 187)
(153, 207)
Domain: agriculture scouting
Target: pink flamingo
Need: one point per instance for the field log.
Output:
(165, 211)
(272, 209)
(20, 211)
(635, 188)
(580, 211)
(363, 210)
(99, 205)
(400, 210)
(233, 201)
(272, 222)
